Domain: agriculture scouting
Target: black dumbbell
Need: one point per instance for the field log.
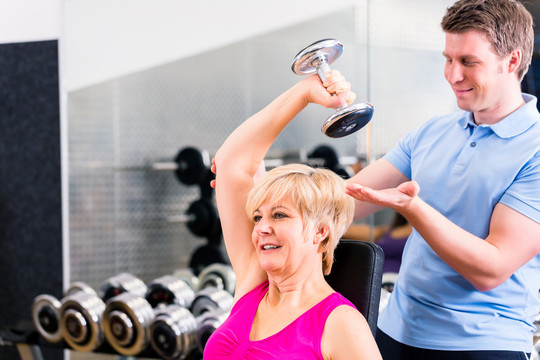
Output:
(190, 165)
(201, 219)
(206, 255)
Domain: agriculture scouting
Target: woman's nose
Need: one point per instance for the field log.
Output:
(263, 227)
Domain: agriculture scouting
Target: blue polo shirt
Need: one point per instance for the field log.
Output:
(463, 171)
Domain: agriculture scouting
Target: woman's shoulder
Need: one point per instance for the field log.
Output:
(347, 333)
(343, 312)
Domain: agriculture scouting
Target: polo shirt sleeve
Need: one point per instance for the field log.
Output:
(523, 195)
(400, 154)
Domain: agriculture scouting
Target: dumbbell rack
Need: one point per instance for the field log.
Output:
(170, 318)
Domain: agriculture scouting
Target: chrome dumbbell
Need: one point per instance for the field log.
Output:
(208, 322)
(46, 312)
(210, 307)
(126, 321)
(316, 58)
(168, 290)
(46, 317)
(173, 332)
(210, 299)
(121, 283)
(188, 276)
(80, 320)
(129, 315)
(218, 275)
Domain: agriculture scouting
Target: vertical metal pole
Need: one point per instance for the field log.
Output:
(369, 145)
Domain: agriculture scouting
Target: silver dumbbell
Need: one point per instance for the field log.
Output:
(316, 58)
(208, 322)
(46, 311)
(188, 276)
(121, 283)
(126, 321)
(80, 318)
(210, 299)
(46, 317)
(218, 275)
(168, 290)
(173, 332)
(129, 315)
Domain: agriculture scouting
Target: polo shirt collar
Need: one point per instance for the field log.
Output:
(512, 125)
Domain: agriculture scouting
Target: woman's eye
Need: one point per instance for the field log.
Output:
(279, 215)
(257, 218)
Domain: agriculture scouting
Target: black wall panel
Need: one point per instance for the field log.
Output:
(30, 184)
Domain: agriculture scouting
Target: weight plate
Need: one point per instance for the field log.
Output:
(307, 60)
(348, 120)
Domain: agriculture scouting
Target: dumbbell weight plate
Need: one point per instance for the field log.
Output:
(348, 120)
(121, 283)
(204, 220)
(206, 255)
(208, 322)
(46, 317)
(218, 275)
(168, 290)
(211, 299)
(192, 166)
(80, 321)
(126, 321)
(307, 60)
(77, 286)
(173, 332)
(188, 276)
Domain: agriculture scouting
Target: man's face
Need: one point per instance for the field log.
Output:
(479, 78)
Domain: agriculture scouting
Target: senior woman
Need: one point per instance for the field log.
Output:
(280, 233)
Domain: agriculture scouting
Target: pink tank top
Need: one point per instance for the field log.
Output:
(301, 339)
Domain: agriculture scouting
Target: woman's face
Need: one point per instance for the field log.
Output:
(279, 237)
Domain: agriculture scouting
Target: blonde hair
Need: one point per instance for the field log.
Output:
(507, 24)
(318, 194)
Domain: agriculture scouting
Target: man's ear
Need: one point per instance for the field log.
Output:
(514, 61)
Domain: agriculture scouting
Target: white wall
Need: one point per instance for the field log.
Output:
(105, 39)
(29, 20)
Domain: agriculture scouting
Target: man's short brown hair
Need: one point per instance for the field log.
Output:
(507, 24)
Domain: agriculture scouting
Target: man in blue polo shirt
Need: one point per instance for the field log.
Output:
(469, 183)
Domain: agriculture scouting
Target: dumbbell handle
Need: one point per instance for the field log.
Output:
(322, 69)
(165, 166)
(182, 218)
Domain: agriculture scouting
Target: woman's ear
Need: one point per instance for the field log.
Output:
(321, 234)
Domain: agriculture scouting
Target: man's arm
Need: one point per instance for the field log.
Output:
(379, 175)
(513, 238)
